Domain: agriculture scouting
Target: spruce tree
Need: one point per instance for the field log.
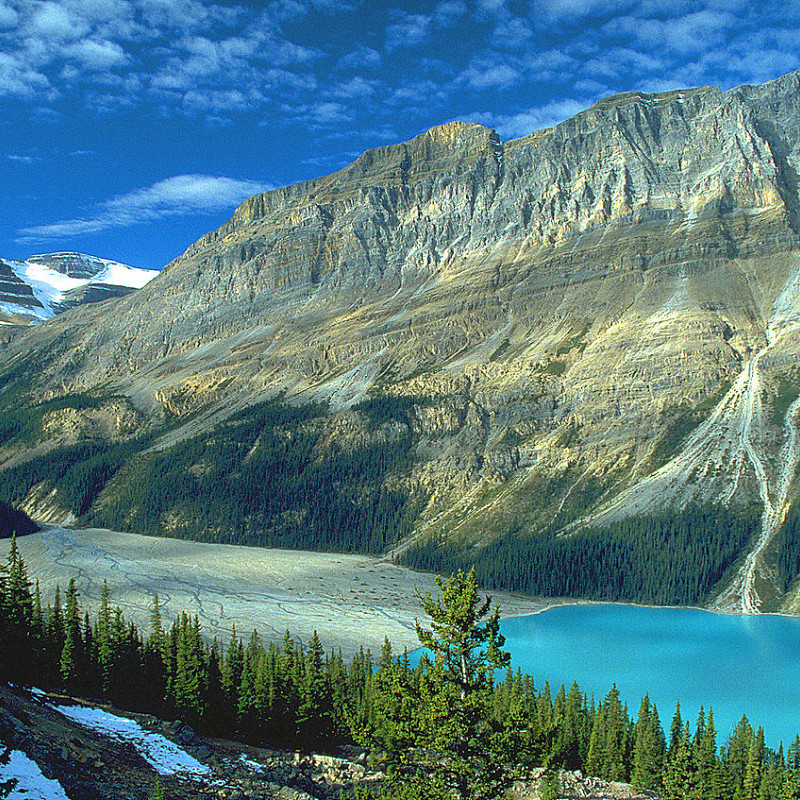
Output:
(608, 743)
(678, 772)
(315, 712)
(648, 748)
(105, 650)
(18, 617)
(71, 652)
(705, 755)
(456, 749)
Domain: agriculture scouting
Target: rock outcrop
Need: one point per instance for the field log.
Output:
(558, 307)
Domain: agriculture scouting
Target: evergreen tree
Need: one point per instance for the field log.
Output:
(17, 618)
(736, 758)
(105, 650)
(705, 756)
(608, 744)
(315, 712)
(678, 772)
(755, 767)
(456, 749)
(648, 748)
(71, 662)
(675, 730)
(188, 685)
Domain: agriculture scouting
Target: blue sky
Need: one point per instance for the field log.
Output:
(128, 128)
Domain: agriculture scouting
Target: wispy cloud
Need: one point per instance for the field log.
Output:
(409, 31)
(360, 57)
(513, 126)
(181, 195)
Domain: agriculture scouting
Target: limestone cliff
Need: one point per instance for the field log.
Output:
(595, 320)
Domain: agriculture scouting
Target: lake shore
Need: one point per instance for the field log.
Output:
(350, 600)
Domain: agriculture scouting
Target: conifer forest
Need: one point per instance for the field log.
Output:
(458, 723)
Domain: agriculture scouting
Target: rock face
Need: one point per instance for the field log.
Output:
(559, 307)
(73, 265)
(14, 291)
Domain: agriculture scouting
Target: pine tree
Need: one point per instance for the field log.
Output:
(705, 755)
(678, 777)
(214, 707)
(456, 749)
(17, 616)
(648, 748)
(105, 650)
(608, 743)
(71, 660)
(754, 767)
(315, 712)
(189, 680)
(675, 730)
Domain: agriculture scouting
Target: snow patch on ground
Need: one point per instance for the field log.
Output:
(48, 285)
(250, 764)
(31, 783)
(164, 756)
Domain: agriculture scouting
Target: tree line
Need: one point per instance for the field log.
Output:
(269, 476)
(443, 727)
(664, 559)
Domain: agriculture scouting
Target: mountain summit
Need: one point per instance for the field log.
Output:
(592, 324)
(44, 285)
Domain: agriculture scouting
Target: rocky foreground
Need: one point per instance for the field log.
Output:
(93, 766)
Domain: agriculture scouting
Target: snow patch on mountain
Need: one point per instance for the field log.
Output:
(52, 286)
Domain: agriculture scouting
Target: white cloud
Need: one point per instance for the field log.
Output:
(411, 30)
(361, 57)
(357, 88)
(486, 76)
(181, 195)
(512, 33)
(514, 126)
(447, 12)
(97, 55)
(18, 78)
(220, 100)
(492, 6)
(416, 93)
(327, 113)
(558, 12)
(551, 66)
(284, 79)
(52, 21)
(689, 34)
(8, 16)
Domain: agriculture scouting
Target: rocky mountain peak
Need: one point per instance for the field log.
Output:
(73, 265)
(554, 307)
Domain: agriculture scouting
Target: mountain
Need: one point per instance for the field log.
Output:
(44, 285)
(570, 359)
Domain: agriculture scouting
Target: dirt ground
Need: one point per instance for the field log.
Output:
(350, 600)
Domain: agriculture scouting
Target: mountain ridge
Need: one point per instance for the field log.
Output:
(548, 319)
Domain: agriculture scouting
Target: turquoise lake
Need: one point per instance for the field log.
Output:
(735, 664)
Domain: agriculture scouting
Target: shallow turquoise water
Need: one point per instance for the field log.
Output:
(735, 664)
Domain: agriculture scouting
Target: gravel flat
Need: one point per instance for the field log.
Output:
(350, 600)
